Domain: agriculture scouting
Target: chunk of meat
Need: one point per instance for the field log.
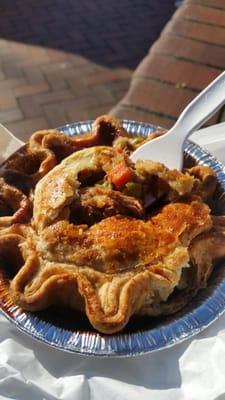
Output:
(96, 203)
(204, 182)
(177, 181)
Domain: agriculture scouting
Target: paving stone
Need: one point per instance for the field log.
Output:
(7, 100)
(210, 3)
(29, 107)
(30, 89)
(178, 72)
(192, 50)
(134, 113)
(193, 29)
(12, 83)
(23, 129)
(203, 14)
(53, 97)
(157, 97)
(14, 114)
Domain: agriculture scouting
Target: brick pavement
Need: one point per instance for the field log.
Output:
(66, 60)
(188, 55)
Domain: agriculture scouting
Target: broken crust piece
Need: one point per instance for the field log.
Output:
(15, 207)
(204, 251)
(26, 167)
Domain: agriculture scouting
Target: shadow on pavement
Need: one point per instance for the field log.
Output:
(106, 32)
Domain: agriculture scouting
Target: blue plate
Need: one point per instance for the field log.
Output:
(66, 330)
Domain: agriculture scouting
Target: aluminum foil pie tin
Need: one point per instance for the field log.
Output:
(69, 331)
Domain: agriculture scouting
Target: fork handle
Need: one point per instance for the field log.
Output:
(201, 108)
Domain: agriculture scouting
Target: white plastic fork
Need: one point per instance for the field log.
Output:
(168, 148)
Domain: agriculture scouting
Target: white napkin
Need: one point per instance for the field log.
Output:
(192, 370)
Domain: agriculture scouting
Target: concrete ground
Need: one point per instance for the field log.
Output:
(68, 60)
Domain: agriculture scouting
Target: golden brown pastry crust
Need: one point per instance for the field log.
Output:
(118, 266)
